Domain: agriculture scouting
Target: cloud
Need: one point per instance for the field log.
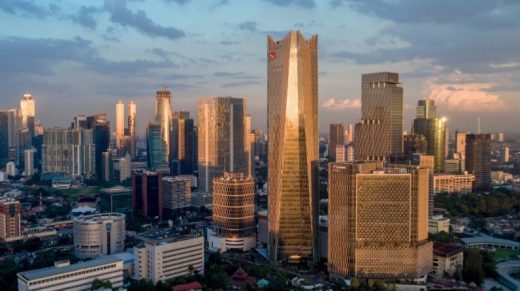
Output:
(297, 3)
(234, 75)
(119, 13)
(239, 84)
(27, 8)
(248, 25)
(180, 2)
(332, 104)
(470, 97)
(85, 17)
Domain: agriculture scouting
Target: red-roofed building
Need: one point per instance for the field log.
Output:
(241, 278)
(193, 286)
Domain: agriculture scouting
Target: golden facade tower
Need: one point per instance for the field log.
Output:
(292, 109)
(378, 221)
(27, 108)
(163, 116)
(120, 122)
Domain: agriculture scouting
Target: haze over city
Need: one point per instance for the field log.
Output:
(79, 57)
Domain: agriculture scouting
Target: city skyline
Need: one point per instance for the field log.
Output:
(117, 52)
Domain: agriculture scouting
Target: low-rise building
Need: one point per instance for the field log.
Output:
(447, 258)
(117, 199)
(451, 183)
(79, 276)
(9, 218)
(99, 234)
(438, 223)
(165, 255)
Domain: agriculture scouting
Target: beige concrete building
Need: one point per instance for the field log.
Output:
(76, 277)
(452, 183)
(378, 221)
(176, 193)
(233, 213)
(99, 234)
(379, 135)
(447, 258)
(292, 117)
(164, 256)
(438, 223)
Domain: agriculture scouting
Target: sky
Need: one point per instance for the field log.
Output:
(80, 57)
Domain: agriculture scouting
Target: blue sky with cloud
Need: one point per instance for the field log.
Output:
(79, 57)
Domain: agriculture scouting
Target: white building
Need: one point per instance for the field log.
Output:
(164, 256)
(3, 176)
(438, 223)
(29, 162)
(125, 168)
(77, 277)
(99, 234)
(451, 183)
(10, 169)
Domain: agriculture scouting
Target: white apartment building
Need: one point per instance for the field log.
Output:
(164, 256)
(75, 277)
(450, 183)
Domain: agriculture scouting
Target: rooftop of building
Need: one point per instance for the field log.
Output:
(489, 240)
(126, 257)
(234, 178)
(53, 271)
(170, 235)
(116, 189)
(176, 178)
(446, 250)
(187, 286)
(100, 217)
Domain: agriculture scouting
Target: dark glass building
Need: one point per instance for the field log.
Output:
(147, 192)
(478, 160)
(156, 154)
(116, 199)
(183, 145)
(101, 131)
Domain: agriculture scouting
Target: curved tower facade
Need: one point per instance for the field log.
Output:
(292, 109)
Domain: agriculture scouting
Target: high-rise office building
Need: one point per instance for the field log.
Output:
(132, 128)
(29, 161)
(505, 154)
(379, 134)
(221, 139)
(434, 130)
(99, 235)
(147, 194)
(248, 146)
(233, 213)
(292, 117)
(336, 137)
(349, 134)
(107, 167)
(69, 151)
(378, 221)
(414, 144)
(4, 137)
(120, 122)
(176, 194)
(100, 127)
(156, 149)
(426, 108)
(27, 109)
(163, 116)
(9, 218)
(460, 144)
(478, 160)
(183, 144)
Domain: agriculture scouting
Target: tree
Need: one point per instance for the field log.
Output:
(216, 277)
(142, 285)
(441, 237)
(99, 284)
(355, 284)
(473, 271)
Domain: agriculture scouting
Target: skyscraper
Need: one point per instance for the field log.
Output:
(248, 146)
(460, 144)
(156, 149)
(292, 122)
(69, 151)
(478, 160)
(433, 129)
(336, 137)
(4, 137)
(120, 122)
(379, 134)
(132, 127)
(426, 108)
(9, 218)
(221, 138)
(378, 221)
(163, 116)
(183, 144)
(100, 127)
(27, 108)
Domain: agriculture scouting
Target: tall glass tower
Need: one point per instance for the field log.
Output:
(163, 116)
(292, 111)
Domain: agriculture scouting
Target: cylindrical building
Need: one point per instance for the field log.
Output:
(233, 213)
(99, 234)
